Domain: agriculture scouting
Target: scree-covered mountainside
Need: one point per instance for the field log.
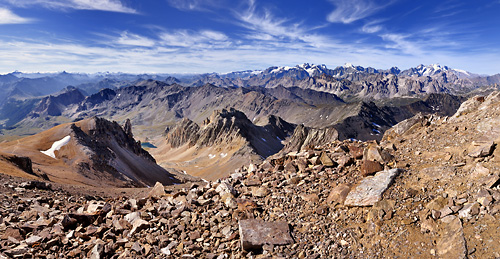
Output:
(428, 189)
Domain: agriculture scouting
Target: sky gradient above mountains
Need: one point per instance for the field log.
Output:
(198, 36)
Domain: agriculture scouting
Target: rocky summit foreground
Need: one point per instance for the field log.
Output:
(429, 189)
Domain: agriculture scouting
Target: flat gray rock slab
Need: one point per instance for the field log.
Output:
(370, 189)
(255, 233)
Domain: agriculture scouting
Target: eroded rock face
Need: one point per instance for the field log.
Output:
(185, 131)
(24, 163)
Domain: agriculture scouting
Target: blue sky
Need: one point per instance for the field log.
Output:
(199, 36)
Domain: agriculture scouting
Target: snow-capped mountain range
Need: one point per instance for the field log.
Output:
(347, 80)
(311, 70)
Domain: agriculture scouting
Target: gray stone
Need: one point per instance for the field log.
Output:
(137, 247)
(224, 188)
(131, 217)
(94, 206)
(138, 225)
(445, 211)
(97, 250)
(255, 233)
(481, 149)
(370, 189)
(469, 210)
(157, 191)
(33, 240)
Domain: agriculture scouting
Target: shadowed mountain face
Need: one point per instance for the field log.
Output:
(55, 105)
(94, 152)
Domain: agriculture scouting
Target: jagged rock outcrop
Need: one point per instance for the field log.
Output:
(227, 126)
(224, 142)
(304, 138)
(186, 131)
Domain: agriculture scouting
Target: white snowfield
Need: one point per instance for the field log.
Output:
(56, 146)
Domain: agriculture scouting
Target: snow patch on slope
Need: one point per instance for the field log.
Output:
(56, 146)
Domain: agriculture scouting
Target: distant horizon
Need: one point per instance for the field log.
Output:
(222, 73)
(195, 36)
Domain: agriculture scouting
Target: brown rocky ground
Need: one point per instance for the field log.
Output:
(427, 190)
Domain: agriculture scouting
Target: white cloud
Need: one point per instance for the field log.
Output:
(265, 27)
(99, 5)
(103, 5)
(401, 42)
(195, 39)
(34, 56)
(8, 17)
(193, 5)
(372, 27)
(132, 39)
(348, 11)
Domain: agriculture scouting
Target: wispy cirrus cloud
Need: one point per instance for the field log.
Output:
(56, 55)
(194, 39)
(131, 39)
(348, 11)
(426, 41)
(8, 17)
(372, 27)
(263, 25)
(98, 5)
(195, 5)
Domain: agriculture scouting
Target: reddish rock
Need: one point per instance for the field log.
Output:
(356, 151)
(255, 233)
(370, 167)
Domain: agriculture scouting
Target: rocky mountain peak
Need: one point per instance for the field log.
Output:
(231, 114)
(54, 105)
